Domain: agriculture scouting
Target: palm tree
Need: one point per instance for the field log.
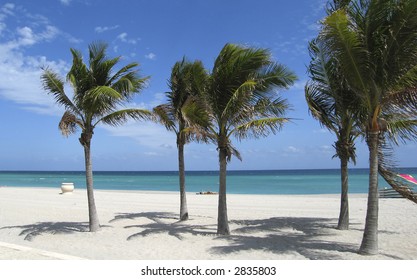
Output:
(332, 103)
(375, 45)
(183, 113)
(99, 93)
(242, 100)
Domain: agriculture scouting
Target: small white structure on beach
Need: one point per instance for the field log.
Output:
(67, 188)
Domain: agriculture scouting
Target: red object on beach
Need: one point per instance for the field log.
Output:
(409, 178)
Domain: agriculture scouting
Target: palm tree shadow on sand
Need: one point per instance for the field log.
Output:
(287, 235)
(163, 223)
(33, 230)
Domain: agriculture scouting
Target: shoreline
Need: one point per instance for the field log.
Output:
(188, 192)
(142, 225)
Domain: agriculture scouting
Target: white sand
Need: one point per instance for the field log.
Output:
(40, 223)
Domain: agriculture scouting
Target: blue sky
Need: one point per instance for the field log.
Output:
(156, 34)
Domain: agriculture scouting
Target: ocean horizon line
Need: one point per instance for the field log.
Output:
(208, 170)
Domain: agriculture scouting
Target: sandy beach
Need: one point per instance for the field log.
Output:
(41, 223)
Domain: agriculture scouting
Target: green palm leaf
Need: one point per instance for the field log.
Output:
(259, 128)
(55, 86)
(122, 116)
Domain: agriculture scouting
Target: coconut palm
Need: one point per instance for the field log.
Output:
(243, 102)
(375, 45)
(184, 113)
(332, 103)
(99, 93)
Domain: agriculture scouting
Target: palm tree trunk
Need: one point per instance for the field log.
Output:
(369, 244)
(183, 196)
(222, 221)
(344, 200)
(92, 211)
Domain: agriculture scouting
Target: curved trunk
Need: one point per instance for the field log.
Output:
(222, 221)
(343, 223)
(369, 244)
(183, 197)
(92, 211)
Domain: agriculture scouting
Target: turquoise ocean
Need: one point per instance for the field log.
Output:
(323, 181)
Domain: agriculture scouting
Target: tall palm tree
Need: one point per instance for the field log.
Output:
(375, 44)
(184, 113)
(242, 100)
(99, 94)
(332, 103)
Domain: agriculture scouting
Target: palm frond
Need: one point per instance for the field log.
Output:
(269, 107)
(387, 168)
(234, 152)
(273, 76)
(197, 134)
(54, 85)
(347, 46)
(68, 124)
(101, 100)
(401, 129)
(165, 116)
(259, 128)
(321, 106)
(97, 55)
(122, 71)
(122, 116)
(130, 84)
(194, 112)
(403, 100)
(240, 99)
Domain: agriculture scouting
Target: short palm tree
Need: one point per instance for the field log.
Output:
(375, 43)
(99, 93)
(184, 113)
(332, 103)
(243, 102)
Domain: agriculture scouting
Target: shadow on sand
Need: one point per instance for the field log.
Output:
(278, 235)
(283, 235)
(165, 223)
(34, 230)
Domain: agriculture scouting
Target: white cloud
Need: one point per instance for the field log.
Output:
(152, 154)
(146, 134)
(327, 149)
(2, 27)
(7, 9)
(50, 32)
(20, 80)
(101, 29)
(123, 37)
(292, 149)
(20, 73)
(151, 56)
(26, 36)
(65, 2)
